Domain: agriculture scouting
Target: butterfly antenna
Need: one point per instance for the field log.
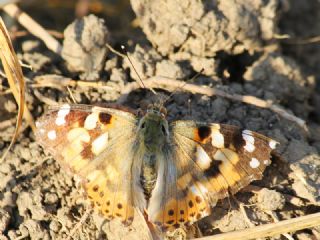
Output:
(182, 85)
(140, 82)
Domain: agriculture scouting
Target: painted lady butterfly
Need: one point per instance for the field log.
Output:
(174, 172)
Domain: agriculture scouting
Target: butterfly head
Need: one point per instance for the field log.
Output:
(153, 128)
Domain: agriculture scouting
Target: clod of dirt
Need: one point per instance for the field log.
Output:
(208, 65)
(4, 220)
(234, 220)
(116, 230)
(84, 46)
(31, 46)
(144, 60)
(170, 69)
(111, 63)
(36, 60)
(7, 181)
(30, 206)
(204, 28)
(305, 163)
(178, 234)
(306, 173)
(283, 81)
(270, 200)
(34, 230)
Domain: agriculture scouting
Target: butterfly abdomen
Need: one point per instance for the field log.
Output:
(148, 175)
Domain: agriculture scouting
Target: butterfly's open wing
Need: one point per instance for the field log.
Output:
(96, 144)
(205, 163)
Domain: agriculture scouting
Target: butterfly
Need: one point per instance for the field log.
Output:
(174, 172)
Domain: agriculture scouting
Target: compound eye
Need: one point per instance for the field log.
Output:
(163, 111)
(143, 125)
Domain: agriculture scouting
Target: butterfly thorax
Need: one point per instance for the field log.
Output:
(153, 135)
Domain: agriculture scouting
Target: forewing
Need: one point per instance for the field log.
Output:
(204, 163)
(96, 144)
(229, 157)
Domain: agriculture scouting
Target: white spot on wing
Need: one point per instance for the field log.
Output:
(60, 121)
(254, 163)
(249, 139)
(100, 143)
(91, 121)
(272, 144)
(203, 160)
(64, 110)
(217, 139)
(62, 113)
(52, 135)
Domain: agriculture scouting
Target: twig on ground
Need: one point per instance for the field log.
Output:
(22, 33)
(168, 84)
(272, 229)
(276, 219)
(44, 99)
(115, 51)
(295, 41)
(33, 27)
(60, 82)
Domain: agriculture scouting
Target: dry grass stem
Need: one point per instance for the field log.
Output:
(33, 27)
(276, 219)
(115, 51)
(15, 78)
(23, 33)
(269, 230)
(44, 99)
(60, 82)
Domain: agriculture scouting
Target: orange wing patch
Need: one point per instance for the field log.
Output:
(234, 157)
(112, 204)
(221, 159)
(78, 136)
(188, 207)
